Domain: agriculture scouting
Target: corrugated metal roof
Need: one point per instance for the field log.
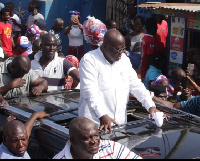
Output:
(191, 7)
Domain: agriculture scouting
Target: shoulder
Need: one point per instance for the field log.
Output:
(92, 55)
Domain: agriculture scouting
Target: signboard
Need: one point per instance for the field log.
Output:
(193, 24)
(176, 41)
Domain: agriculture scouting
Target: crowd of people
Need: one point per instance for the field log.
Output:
(121, 63)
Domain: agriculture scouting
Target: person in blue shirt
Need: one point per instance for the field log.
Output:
(154, 70)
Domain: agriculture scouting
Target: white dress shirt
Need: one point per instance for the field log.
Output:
(105, 87)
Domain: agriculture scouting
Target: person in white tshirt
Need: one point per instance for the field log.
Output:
(106, 81)
(33, 7)
(15, 21)
(85, 143)
(75, 36)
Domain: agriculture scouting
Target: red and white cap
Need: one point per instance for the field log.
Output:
(23, 42)
(34, 30)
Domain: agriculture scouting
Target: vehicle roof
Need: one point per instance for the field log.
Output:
(177, 138)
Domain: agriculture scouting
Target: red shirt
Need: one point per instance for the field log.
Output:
(148, 48)
(162, 31)
(17, 54)
(6, 38)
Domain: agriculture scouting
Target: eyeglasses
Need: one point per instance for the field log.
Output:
(120, 49)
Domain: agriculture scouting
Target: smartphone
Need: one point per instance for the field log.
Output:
(73, 17)
(190, 68)
(184, 82)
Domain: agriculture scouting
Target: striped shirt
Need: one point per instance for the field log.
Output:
(107, 150)
(54, 72)
(192, 106)
(171, 89)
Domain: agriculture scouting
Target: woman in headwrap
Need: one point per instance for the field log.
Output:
(93, 31)
(69, 82)
(161, 79)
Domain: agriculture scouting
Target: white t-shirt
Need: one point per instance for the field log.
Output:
(31, 19)
(15, 27)
(75, 36)
(1, 53)
(108, 149)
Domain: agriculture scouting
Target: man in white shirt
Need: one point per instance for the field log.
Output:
(85, 143)
(106, 80)
(15, 21)
(33, 7)
(51, 67)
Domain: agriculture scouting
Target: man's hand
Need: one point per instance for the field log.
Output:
(153, 110)
(2, 101)
(14, 21)
(41, 114)
(18, 82)
(36, 91)
(105, 123)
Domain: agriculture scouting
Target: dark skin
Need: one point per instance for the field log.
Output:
(75, 21)
(177, 76)
(16, 134)
(85, 139)
(11, 10)
(4, 18)
(113, 41)
(49, 48)
(58, 25)
(17, 69)
(36, 47)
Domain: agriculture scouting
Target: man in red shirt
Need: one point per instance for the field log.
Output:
(22, 45)
(5, 32)
(148, 45)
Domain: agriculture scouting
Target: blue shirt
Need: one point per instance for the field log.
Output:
(151, 74)
(192, 106)
(6, 154)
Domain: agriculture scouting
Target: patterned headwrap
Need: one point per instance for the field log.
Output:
(73, 60)
(34, 30)
(75, 13)
(159, 80)
(94, 31)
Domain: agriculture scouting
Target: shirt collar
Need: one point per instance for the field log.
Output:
(5, 63)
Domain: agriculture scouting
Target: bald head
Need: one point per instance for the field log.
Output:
(113, 45)
(19, 66)
(112, 37)
(12, 126)
(79, 124)
(15, 137)
(58, 24)
(22, 61)
(178, 72)
(177, 75)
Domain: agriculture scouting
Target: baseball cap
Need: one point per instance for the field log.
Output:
(23, 42)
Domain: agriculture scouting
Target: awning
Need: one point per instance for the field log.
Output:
(190, 7)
